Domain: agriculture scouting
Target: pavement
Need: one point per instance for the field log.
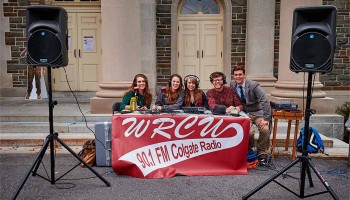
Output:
(22, 120)
(81, 183)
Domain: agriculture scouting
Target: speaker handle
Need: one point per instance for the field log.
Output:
(75, 53)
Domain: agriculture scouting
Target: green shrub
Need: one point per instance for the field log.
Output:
(344, 109)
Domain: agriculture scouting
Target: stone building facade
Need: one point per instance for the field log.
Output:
(157, 59)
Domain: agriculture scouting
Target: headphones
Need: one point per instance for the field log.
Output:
(192, 76)
(217, 73)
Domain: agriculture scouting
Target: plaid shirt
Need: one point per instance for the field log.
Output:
(227, 97)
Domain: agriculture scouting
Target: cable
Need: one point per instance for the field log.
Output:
(335, 172)
(84, 178)
(76, 100)
(72, 185)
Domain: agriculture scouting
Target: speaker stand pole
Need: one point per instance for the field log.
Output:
(50, 139)
(304, 159)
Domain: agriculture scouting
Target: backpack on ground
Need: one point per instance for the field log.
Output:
(315, 143)
(252, 161)
(88, 153)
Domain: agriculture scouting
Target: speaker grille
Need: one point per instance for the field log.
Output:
(311, 52)
(44, 47)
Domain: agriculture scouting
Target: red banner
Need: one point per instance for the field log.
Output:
(161, 146)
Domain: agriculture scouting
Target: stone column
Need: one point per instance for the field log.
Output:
(260, 42)
(5, 78)
(128, 48)
(290, 85)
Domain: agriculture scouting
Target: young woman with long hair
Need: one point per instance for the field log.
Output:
(194, 97)
(171, 97)
(139, 89)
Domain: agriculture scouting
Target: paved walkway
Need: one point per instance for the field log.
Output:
(78, 184)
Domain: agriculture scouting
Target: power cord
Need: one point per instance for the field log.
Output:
(76, 100)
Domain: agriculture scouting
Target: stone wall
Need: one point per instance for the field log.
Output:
(163, 19)
(339, 78)
(15, 10)
(239, 19)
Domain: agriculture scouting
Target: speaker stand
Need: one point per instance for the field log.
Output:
(50, 139)
(304, 159)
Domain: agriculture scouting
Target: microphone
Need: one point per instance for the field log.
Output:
(136, 90)
(284, 105)
(163, 89)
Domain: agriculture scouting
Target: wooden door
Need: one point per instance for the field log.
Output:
(200, 47)
(211, 41)
(84, 54)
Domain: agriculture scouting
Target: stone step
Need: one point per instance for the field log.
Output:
(67, 122)
(57, 118)
(43, 127)
(37, 139)
(28, 135)
(281, 140)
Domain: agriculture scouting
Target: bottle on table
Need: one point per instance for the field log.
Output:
(133, 104)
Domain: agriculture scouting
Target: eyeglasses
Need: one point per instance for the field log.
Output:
(141, 81)
(217, 80)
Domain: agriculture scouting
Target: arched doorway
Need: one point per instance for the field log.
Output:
(200, 34)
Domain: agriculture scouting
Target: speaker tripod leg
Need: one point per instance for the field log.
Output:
(324, 182)
(309, 176)
(82, 161)
(49, 140)
(272, 178)
(35, 164)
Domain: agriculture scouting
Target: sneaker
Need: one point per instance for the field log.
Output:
(27, 97)
(38, 96)
(264, 159)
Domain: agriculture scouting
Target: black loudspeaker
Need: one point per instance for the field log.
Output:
(313, 39)
(47, 36)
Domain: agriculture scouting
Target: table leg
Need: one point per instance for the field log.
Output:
(295, 139)
(274, 138)
(288, 135)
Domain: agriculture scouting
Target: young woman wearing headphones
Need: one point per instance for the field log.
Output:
(140, 89)
(172, 96)
(194, 96)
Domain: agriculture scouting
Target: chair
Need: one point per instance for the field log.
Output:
(116, 107)
(289, 116)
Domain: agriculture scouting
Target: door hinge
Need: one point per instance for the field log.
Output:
(221, 54)
(178, 28)
(178, 54)
(222, 28)
(54, 81)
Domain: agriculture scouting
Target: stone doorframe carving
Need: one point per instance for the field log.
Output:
(227, 36)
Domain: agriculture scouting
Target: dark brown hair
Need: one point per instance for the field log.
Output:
(239, 68)
(173, 95)
(147, 93)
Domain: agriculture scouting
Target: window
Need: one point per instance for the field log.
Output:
(200, 7)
